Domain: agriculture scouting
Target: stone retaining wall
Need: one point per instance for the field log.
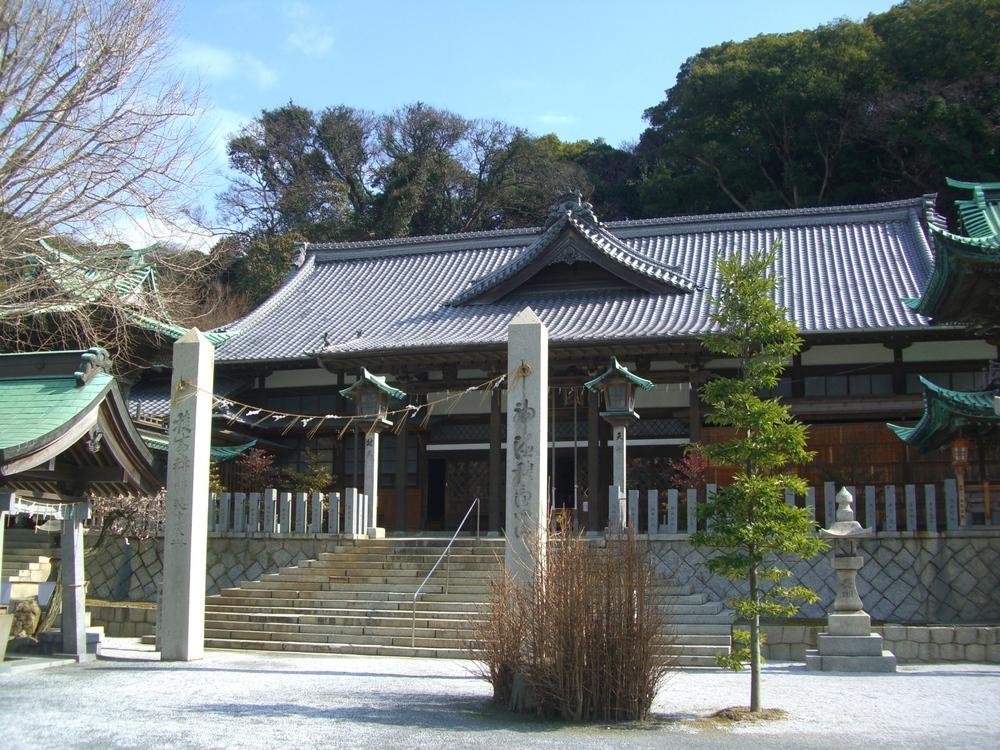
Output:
(947, 578)
(131, 572)
(910, 643)
(122, 620)
(950, 578)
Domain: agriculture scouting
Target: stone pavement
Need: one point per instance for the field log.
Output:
(128, 699)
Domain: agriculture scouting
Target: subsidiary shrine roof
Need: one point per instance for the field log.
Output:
(844, 270)
(961, 288)
(947, 412)
(64, 428)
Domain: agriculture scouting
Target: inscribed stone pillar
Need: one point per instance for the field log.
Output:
(371, 484)
(527, 435)
(74, 625)
(186, 533)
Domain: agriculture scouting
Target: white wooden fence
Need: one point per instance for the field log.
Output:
(888, 509)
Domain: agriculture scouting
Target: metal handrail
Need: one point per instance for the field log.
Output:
(442, 556)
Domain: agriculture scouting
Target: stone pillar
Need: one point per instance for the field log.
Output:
(74, 594)
(186, 533)
(351, 515)
(527, 436)
(372, 528)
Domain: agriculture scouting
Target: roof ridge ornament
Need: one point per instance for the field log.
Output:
(570, 204)
(93, 361)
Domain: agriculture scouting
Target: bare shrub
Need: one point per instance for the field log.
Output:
(585, 641)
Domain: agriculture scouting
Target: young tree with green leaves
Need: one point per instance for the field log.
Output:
(748, 521)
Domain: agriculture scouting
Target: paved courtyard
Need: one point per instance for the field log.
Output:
(255, 700)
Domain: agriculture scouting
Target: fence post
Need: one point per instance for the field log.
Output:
(239, 512)
(709, 494)
(871, 514)
(652, 512)
(671, 511)
(300, 513)
(333, 521)
(224, 512)
(890, 507)
(211, 514)
(811, 502)
(829, 503)
(253, 513)
(633, 510)
(790, 498)
(285, 513)
(911, 507)
(930, 507)
(316, 525)
(951, 504)
(351, 511)
(270, 504)
(692, 510)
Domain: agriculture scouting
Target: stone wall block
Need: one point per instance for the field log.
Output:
(965, 635)
(986, 636)
(975, 652)
(951, 651)
(993, 653)
(942, 635)
(918, 634)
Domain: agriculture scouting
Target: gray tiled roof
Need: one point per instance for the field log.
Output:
(843, 268)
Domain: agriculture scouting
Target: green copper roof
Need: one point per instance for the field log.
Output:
(218, 452)
(966, 270)
(945, 413)
(980, 215)
(35, 408)
(616, 369)
(83, 278)
(374, 380)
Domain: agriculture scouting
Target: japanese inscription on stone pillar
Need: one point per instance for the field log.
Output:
(527, 467)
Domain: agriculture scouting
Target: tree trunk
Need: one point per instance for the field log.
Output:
(754, 647)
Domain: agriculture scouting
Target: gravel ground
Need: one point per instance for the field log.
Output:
(256, 700)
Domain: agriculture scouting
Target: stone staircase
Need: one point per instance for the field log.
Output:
(27, 561)
(358, 599)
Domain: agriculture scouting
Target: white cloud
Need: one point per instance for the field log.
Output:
(144, 230)
(552, 118)
(222, 64)
(308, 34)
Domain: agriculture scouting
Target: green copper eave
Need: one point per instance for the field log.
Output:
(945, 413)
(374, 380)
(617, 369)
(981, 214)
(218, 453)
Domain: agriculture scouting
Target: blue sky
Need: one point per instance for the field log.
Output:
(582, 69)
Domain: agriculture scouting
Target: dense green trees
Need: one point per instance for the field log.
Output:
(846, 112)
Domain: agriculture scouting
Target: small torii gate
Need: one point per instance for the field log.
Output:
(65, 433)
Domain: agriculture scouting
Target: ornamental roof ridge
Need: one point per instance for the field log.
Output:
(523, 235)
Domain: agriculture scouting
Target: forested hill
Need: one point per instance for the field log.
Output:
(848, 112)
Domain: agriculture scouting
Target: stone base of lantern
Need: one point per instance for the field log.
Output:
(850, 646)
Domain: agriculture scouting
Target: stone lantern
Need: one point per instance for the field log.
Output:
(617, 387)
(371, 396)
(849, 645)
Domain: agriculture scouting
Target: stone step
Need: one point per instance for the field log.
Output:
(677, 629)
(381, 563)
(351, 605)
(411, 578)
(310, 623)
(338, 648)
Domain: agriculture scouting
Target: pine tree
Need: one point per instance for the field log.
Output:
(748, 521)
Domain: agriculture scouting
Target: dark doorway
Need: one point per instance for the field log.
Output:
(436, 488)
(562, 478)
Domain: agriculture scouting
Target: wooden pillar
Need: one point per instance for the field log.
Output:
(496, 459)
(402, 473)
(595, 492)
